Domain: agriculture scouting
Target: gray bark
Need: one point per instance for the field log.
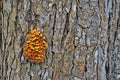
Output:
(83, 38)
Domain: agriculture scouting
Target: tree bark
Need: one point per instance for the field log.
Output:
(83, 39)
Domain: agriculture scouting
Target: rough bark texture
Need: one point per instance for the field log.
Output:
(83, 38)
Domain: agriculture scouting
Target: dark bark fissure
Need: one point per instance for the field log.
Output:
(0, 26)
(115, 35)
(0, 37)
(54, 6)
(107, 63)
(66, 30)
(55, 11)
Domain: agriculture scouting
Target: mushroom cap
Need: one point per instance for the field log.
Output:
(35, 47)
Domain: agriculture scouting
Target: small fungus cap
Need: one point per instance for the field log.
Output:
(35, 46)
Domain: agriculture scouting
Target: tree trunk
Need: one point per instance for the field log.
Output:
(83, 39)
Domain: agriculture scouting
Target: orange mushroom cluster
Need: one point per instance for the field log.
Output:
(35, 46)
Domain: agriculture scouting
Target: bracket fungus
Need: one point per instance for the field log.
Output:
(35, 46)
